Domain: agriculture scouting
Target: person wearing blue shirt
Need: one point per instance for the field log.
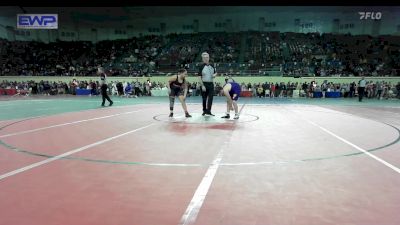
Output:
(128, 89)
(231, 91)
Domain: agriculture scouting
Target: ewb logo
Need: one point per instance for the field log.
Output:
(37, 21)
(371, 15)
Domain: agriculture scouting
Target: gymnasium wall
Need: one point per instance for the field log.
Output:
(76, 26)
(282, 20)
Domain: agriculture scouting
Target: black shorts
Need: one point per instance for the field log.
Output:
(176, 91)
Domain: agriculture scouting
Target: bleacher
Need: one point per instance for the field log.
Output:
(264, 53)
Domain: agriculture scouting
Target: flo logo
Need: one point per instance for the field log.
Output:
(370, 15)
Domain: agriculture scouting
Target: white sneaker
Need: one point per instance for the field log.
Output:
(236, 117)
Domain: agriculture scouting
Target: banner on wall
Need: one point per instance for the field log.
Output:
(37, 21)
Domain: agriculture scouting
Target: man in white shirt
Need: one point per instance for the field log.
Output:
(361, 87)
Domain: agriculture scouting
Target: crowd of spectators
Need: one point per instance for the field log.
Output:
(291, 54)
(379, 89)
(324, 55)
(136, 88)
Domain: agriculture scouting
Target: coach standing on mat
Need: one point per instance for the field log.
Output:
(103, 83)
(206, 76)
(361, 88)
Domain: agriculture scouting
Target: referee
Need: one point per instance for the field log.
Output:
(206, 76)
(361, 88)
(103, 83)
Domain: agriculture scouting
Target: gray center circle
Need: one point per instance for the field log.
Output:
(197, 118)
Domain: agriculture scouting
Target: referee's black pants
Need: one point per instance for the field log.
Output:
(208, 96)
(104, 94)
(360, 93)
